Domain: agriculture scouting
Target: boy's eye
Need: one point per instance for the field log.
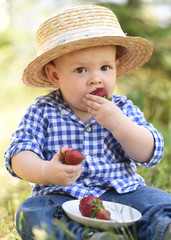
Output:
(80, 70)
(105, 68)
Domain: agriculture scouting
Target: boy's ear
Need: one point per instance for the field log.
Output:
(51, 73)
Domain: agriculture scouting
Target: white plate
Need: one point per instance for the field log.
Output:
(121, 215)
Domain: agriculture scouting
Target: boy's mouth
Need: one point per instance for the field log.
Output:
(101, 92)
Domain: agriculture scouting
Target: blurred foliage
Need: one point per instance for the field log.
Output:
(149, 87)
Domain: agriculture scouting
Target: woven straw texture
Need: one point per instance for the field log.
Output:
(82, 27)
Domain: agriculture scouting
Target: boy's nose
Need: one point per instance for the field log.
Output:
(95, 80)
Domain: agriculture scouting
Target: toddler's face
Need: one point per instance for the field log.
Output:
(81, 72)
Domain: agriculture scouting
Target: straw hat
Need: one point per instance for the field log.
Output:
(83, 27)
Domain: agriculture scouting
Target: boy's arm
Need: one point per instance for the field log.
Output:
(137, 141)
(28, 166)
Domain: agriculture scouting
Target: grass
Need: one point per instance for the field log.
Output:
(14, 191)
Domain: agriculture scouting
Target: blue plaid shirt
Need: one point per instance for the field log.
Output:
(50, 124)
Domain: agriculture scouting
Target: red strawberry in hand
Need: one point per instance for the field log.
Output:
(101, 92)
(71, 156)
(103, 214)
(89, 206)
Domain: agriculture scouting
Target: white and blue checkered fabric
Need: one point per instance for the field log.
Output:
(50, 124)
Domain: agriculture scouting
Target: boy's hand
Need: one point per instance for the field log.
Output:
(58, 173)
(137, 141)
(104, 111)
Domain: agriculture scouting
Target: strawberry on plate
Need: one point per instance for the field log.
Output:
(89, 206)
(71, 156)
(103, 214)
(101, 92)
(93, 207)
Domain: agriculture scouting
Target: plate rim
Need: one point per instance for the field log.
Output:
(101, 220)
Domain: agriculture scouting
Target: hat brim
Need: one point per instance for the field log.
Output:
(137, 53)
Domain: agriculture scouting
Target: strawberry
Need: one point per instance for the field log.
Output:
(101, 92)
(93, 207)
(71, 156)
(103, 214)
(89, 206)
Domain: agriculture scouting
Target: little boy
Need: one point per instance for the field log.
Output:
(80, 50)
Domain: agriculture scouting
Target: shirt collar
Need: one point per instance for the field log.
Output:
(119, 100)
(55, 99)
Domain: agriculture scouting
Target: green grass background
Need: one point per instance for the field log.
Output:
(149, 88)
(14, 191)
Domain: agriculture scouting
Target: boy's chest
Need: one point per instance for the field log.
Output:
(91, 139)
(66, 129)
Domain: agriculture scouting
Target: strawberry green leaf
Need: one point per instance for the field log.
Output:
(108, 98)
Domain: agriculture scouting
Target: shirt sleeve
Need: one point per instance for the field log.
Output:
(30, 135)
(136, 115)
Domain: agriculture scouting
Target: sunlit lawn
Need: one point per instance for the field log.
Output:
(13, 102)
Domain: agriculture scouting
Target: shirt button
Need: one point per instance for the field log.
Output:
(63, 112)
(88, 129)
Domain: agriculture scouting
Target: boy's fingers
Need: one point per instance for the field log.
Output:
(92, 111)
(73, 169)
(94, 98)
(57, 157)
